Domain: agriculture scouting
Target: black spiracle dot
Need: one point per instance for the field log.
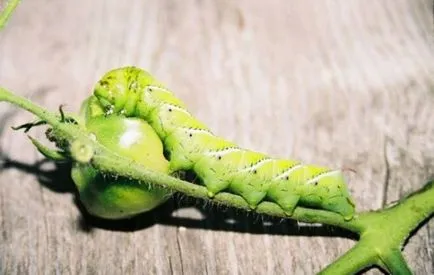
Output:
(166, 154)
(170, 109)
(286, 178)
(255, 171)
(219, 157)
(190, 135)
(315, 183)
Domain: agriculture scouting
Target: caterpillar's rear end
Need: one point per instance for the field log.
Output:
(220, 164)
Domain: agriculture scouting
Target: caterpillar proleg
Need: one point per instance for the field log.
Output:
(220, 164)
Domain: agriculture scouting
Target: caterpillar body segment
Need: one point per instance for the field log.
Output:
(220, 164)
(186, 155)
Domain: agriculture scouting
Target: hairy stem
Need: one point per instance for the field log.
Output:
(127, 168)
(7, 12)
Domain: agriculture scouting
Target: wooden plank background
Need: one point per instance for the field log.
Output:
(341, 83)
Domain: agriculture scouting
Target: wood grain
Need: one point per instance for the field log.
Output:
(341, 83)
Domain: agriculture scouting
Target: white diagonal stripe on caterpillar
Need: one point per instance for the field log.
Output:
(152, 87)
(288, 172)
(197, 131)
(223, 152)
(175, 107)
(257, 165)
(323, 175)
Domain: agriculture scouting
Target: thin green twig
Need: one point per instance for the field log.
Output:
(7, 12)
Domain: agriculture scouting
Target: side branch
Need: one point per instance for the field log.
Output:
(7, 12)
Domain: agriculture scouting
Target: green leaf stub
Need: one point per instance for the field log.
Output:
(81, 151)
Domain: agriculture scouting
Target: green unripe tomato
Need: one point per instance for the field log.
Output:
(118, 197)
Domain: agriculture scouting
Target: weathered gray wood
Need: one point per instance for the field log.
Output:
(342, 83)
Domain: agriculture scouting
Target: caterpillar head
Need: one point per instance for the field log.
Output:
(119, 90)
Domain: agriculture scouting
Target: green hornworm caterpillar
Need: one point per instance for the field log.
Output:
(220, 164)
